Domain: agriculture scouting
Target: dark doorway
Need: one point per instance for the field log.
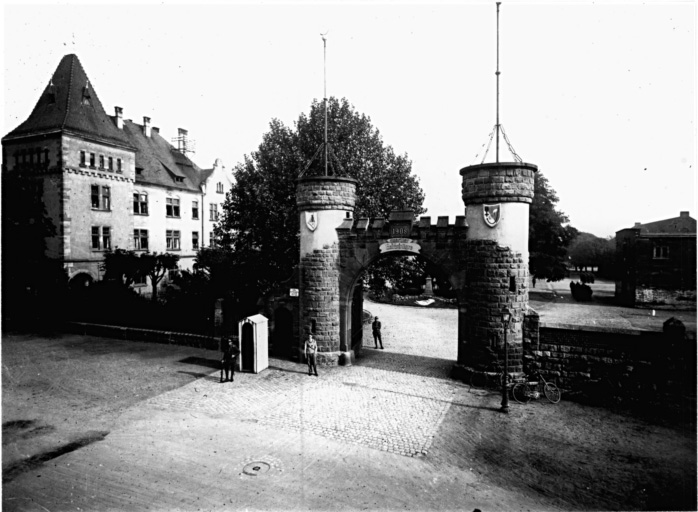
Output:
(283, 332)
(247, 346)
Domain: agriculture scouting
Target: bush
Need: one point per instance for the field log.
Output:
(586, 277)
(580, 292)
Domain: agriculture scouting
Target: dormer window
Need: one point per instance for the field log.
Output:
(51, 93)
(139, 171)
(178, 179)
(86, 97)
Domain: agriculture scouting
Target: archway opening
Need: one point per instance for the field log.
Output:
(417, 309)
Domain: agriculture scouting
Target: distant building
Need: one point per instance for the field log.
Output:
(656, 263)
(108, 182)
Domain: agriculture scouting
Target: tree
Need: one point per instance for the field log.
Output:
(122, 266)
(259, 228)
(588, 250)
(32, 283)
(155, 265)
(548, 234)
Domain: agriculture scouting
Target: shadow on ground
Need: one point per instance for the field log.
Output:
(405, 363)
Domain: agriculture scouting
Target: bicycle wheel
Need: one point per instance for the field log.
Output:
(552, 392)
(477, 380)
(521, 393)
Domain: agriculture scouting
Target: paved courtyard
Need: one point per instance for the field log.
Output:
(96, 424)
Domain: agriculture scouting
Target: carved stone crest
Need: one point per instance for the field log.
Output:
(311, 220)
(492, 213)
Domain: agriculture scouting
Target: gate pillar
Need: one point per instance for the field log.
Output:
(497, 197)
(323, 204)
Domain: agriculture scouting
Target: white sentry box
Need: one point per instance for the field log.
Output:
(253, 333)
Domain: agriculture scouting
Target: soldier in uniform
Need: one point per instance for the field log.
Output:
(377, 333)
(230, 353)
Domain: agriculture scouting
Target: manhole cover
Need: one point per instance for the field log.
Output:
(256, 468)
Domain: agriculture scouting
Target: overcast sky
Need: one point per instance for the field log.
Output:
(600, 95)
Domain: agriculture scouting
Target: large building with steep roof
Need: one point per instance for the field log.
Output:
(656, 263)
(107, 182)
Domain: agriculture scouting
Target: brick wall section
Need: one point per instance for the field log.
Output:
(319, 300)
(500, 182)
(326, 193)
(491, 270)
(613, 365)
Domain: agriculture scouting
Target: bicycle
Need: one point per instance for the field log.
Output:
(489, 380)
(527, 389)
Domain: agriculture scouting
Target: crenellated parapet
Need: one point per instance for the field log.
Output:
(423, 229)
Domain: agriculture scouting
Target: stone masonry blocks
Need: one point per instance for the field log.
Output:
(500, 182)
(326, 193)
(496, 280)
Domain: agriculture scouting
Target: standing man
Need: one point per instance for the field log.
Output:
(310, 350)
(230, 353)
(377, 333)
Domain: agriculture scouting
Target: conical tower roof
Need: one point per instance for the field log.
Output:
(70, 104)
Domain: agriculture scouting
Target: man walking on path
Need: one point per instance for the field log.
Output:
(377, 333)
(230, 353)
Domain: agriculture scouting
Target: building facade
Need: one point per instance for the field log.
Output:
(656, 263)
(109, 183)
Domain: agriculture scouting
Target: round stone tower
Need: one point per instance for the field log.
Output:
(323, 203)
(497, 197)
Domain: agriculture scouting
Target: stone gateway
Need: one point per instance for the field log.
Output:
(483, 254)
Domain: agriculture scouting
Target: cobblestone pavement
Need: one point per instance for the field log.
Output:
(391, 400)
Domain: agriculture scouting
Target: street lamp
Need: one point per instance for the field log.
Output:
(506, 320)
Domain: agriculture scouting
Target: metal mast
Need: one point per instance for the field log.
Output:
(324, 47)
(497, 73)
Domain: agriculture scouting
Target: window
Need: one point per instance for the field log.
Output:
(195, 240)
(118, 165)
(195, 209)
(210, 239)
(140, 204)
(82, 159)
(214, 211)
(172, 207)
(140, 280)
(140, 239)
(661, 252)
(92, 160)
(111, 163)
(106, 238)
(219, 188)
(172, 239)
(46, 157)
(101, 161)
(101, 238)
(101, 197)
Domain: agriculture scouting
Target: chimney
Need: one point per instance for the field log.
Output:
(155, 129)
(684, 215)
(182, 139)
(146, 126)
(119, 117)
(637, 225)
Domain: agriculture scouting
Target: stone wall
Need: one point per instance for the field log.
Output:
(496, 280)
(326, 193)
(498, 182)
(320, 301)
(132, 334)
(612, 365)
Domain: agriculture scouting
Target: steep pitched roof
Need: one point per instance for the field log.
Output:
(681, 224)
(160, 162)
(69, 103)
